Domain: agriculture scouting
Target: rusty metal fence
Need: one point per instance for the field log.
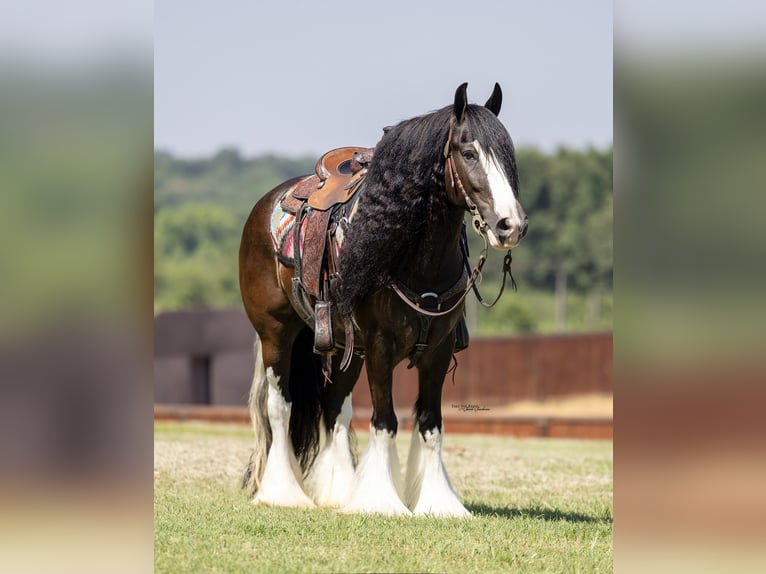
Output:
(206, 358)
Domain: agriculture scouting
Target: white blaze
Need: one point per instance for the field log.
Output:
(503, 198)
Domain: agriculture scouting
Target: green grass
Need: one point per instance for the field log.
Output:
(539, 505)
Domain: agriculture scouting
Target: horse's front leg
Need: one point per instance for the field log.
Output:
(378, 481)
(428, 489)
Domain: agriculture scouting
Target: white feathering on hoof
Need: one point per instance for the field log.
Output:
(332, 475)
(378, 480)
(429, 490)
(281, 484)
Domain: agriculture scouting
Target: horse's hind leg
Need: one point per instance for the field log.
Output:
(284, 408)
(332, 475)
(280, 483)
(378, 484)
(428, 489)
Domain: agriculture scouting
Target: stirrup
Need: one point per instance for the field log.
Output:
(323, 339)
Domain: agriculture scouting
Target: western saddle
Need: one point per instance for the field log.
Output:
(321, 204)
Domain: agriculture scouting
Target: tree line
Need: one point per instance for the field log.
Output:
(200, 207)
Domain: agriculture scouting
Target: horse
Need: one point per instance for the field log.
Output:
(401, 283)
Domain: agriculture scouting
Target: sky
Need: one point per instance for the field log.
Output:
(76, 31)
(298, 77)
(649, 27)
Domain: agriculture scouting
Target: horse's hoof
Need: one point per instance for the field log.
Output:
(384, 509)
(456, 510)
(287, 500)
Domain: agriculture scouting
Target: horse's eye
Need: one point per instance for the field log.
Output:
(469, 155)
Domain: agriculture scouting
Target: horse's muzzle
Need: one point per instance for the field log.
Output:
(509, 233)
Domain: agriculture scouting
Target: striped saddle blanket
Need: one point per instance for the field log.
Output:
(306, 238)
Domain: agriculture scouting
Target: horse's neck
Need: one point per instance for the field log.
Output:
(436, 262)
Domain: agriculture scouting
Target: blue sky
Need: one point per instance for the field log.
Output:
(300, 77)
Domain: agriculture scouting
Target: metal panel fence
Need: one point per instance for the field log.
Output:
(206, 357)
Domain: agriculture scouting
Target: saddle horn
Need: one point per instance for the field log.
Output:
(495, 100)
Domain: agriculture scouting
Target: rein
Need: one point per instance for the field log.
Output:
(480, 226)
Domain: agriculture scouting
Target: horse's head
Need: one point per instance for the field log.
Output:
(483, 168)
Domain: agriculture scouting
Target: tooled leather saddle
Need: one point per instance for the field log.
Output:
(320, 204)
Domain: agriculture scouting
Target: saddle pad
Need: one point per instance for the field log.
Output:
(282, 223)
(312, 239)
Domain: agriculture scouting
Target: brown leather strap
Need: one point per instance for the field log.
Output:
(506, 273)
(477, 221)
(348, 328)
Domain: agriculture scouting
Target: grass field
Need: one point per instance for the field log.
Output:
(539, 505)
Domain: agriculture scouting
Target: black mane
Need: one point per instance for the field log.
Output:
(403, 189)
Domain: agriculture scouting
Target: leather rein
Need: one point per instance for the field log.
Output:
(480, 226)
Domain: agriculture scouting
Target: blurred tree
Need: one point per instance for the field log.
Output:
(195, 228)
(201, 206)
(195, 248)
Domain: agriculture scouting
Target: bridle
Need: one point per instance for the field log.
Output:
(453, 183)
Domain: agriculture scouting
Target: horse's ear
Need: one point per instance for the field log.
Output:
(461, 101)
(495, 100)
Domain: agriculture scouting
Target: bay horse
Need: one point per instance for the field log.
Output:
(402, 283)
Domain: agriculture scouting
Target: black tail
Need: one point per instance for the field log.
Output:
(305, 385)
